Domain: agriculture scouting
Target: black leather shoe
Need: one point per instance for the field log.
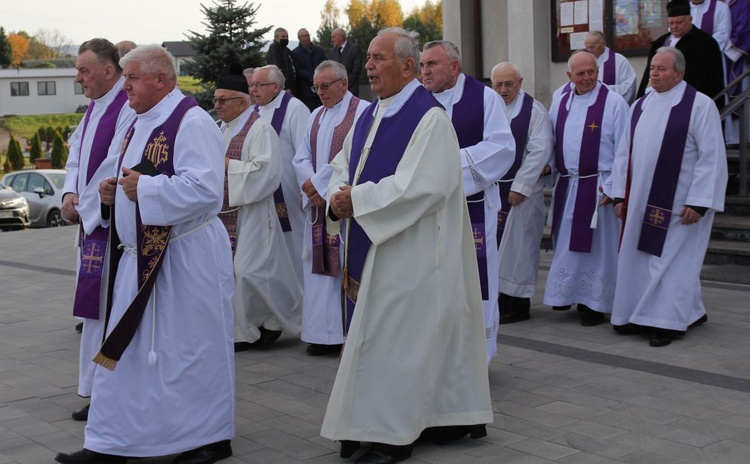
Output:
(81, 415)
(702, 320)
(660, 338)
(85, 456)
(242, 346)
(590, 318)
(315, 349)
(629, 329)
(267, 338)
(512, 317)
(79, 327)
(561, 308)
(206, 454)
(348, 448)
(377, 457)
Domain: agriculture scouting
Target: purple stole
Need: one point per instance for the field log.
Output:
(325, 247)
(740, 38)
(278, 196)
(519, 126)
(94, 245)
(387, 149)
(609, 71)
(581, 234)
(234, 151)
(707, 21)
(152, 241)
(661, 196)
(567, 89)
(468, 121)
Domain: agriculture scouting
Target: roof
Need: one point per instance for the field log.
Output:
(37, 72)
(178, 49)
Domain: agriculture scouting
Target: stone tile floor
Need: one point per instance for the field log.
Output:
(561, 393)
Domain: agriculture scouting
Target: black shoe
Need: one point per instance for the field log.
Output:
(267, 338)
(242, 346)
(703, 319)
(590, 318)
(348, 448)
(378, 457)
(513, 309)
(315, 349)
(82, 414)
(513, 317)
(79, 327)
(629, 329)
(85, 456)
(660, 337)
(478, 431)
(561, 308)
(206, 454)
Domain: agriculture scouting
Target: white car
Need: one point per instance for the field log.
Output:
(14, 209)
(42, 188)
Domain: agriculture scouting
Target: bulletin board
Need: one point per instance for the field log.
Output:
(630, 26)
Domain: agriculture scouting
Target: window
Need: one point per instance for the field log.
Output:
(19, 89)
(19, 182)
(37, 181)
(628, 25)
(77, 88)
(45, 88)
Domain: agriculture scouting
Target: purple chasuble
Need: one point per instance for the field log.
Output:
(388, 147)
(278, 196)
(581, 234)
(152, 241)
(234, 152)
(325, 247)
(519, 127)
(468, 121)
(666, 175)
(609, 71)
(707, 21)
(94, 245)
(740, 38)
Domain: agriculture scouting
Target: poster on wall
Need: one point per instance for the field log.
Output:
(628, 25)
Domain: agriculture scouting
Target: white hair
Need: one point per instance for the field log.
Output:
(153, 59)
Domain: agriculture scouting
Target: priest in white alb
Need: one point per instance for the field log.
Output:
(414, 362)
(588, 123)
(523, 219)
(322, 320)
(264, 296)
(487, 154)
(670, 176)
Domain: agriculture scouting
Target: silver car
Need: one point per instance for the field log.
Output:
(43, 189)
(14, 209)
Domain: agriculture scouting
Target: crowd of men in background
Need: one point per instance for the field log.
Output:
(397, 234)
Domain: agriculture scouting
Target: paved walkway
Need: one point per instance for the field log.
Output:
(561, 393)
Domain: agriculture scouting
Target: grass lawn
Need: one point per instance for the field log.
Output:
(189, 85)
(26, 126)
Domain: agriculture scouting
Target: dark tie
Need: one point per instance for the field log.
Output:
(341, 51)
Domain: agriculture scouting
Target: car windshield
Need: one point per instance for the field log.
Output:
(57, 179)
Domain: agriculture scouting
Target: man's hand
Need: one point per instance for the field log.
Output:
(69, 213)
(547, 169)
(515, 198)
(107, 191)
(689, 216)
(619, 210)
(341, 202)
(129, 183)
(315, 199)
(605, 199)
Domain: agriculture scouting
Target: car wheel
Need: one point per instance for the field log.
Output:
(54, 219)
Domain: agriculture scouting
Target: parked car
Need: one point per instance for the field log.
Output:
(14, 209)
(43, 189)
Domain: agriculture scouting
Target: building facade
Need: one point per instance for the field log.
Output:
(40, 91)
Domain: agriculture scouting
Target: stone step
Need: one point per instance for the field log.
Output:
(735, 205)
(727, 252)
(733, 228)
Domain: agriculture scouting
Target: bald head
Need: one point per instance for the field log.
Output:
(583, 72)
(506, 81)
(595, 43)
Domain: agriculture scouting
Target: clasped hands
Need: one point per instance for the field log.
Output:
(341, 202)
(128, 181)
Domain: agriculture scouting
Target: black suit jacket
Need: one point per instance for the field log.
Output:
(703, 63)
(352, 61)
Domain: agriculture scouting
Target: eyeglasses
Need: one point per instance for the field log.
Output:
(506, 84)
(260, 84)
(221, 101)
(324, 87)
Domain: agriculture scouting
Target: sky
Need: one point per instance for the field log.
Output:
(153, 21)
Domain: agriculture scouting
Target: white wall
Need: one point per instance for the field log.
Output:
(65, 99)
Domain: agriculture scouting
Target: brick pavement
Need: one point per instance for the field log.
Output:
(561, 393)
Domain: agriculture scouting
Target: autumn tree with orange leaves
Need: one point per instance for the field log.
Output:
(20, 47)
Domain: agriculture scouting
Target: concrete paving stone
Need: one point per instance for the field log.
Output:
(593, 430)
(30, 427)
(44, 410)
(266, 456)
(312, 382)
(729, 451)
(268, 370)
(671, 432)
(526, 427)
(644, 457)
(713, 428)
(255, 412)
(532, 414)
(293, 426)
(292, 399)
(505, 455)
(586, 458)
(606, 448)
(572, 410)
(288, 444)
(737, 420)
(245, 377)
(662, 447)
(250, 392)
(543, 449)
(30, 453)
(573, 396)
(678, 406)
(525, 398)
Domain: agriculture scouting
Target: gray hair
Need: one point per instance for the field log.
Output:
(247, 72)
(578, 52)
(339, 31)
(153, 59)
(598, 35)
(507, 64)
(339, 70)
(450, 49)
(406, 45)
(278, 31)
(274, 74)
(679, 58)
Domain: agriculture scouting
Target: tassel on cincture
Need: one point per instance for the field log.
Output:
(152, 358)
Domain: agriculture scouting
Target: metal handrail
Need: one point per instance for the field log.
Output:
(734, 103)
(739, 102)
(732, 84)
